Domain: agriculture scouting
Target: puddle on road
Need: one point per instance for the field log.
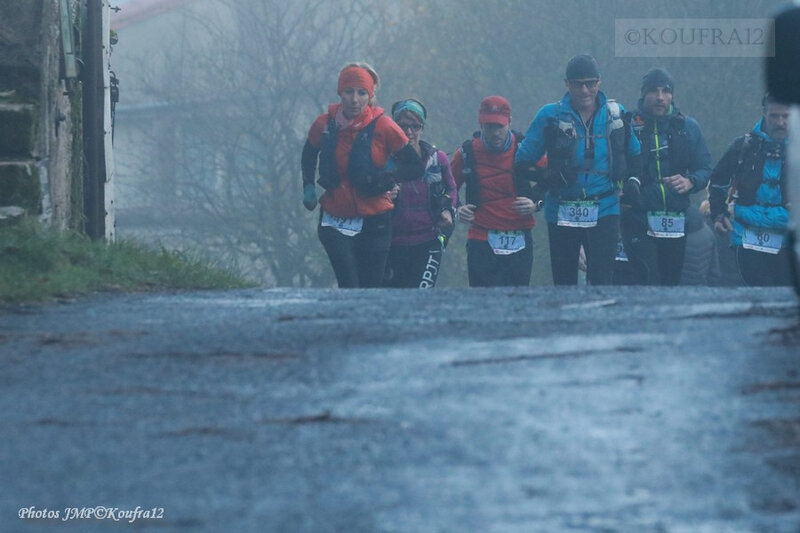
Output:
(737, 309)
(788, 336)
(533, 348)
(325, 417)
(261, 301)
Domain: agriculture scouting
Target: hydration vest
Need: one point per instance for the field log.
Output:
(561, 144)
(749, 173)
(360, 167)
(677, 145)
(468, 171)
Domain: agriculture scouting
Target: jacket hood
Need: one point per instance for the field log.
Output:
(758, 130)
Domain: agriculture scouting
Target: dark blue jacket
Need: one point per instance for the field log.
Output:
(672, 144)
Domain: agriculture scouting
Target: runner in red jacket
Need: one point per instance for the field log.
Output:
(351, 145)
(499, 245)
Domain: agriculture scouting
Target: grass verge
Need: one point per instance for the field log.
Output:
(38, 264)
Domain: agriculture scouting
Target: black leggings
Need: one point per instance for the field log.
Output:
(599, 243)
(658, 261)
(416, 266)
(487, 269)
(760, 269)
(359, 261)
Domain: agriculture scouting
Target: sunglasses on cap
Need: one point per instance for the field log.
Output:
(577, 84)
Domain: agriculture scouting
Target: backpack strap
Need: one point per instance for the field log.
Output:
(469, 172)
(614, 116)
(617, 162)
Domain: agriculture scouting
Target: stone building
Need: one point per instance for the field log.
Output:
(55, 108)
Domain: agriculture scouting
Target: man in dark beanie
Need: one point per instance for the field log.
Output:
(590, 150)
(676, 164)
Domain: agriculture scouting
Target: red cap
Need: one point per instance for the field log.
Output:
(495, 109)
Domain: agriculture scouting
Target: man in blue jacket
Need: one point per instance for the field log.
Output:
(590, 151)
(675, 164)
(751, 178)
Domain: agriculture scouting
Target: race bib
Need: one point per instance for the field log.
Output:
(578, 214)
(621, 255)
(666, 225)
(345, 226)
(762, 240)
(506, 242)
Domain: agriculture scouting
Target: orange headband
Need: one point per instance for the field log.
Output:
(356, 77)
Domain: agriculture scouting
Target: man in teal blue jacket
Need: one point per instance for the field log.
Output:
(751, 178)
(590, 151)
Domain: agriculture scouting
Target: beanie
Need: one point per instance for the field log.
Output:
(582, 67)
(657, 77)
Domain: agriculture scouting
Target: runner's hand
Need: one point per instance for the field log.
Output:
(309, 196)
(679, 184)
(723, 224)
(466, 213)
(445, 219)
(524, 205)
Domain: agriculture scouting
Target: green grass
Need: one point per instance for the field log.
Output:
(39, 264)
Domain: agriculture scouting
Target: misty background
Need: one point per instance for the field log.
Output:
(216, 98)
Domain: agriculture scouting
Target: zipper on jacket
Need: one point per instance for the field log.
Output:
(658, 164)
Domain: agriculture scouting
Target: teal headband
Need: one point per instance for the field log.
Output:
(409, 105)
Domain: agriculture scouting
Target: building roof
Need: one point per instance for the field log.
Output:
(135, 11)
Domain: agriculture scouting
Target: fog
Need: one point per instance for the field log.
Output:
(217, 97)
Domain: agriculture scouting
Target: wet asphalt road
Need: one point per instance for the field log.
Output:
(503, 410)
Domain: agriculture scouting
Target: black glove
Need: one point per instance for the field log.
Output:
(374, 184)
(631, 193)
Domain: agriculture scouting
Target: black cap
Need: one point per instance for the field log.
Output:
(657, 77)
(582, 67)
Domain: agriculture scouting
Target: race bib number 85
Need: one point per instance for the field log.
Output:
(665, 224)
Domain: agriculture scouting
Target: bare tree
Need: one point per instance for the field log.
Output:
(240, 96)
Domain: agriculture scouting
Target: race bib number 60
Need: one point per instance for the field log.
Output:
(762, 240)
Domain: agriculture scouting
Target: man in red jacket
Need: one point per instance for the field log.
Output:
(499, 245)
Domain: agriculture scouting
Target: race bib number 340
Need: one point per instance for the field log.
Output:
(665, 224)
(578, 214)
(762, 240)
(345, 226)
(506, 242)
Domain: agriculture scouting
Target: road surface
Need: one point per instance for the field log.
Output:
(486, 410)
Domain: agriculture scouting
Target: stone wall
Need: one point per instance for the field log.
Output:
(40, 134)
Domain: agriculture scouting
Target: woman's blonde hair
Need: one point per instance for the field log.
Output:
(372, 72)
